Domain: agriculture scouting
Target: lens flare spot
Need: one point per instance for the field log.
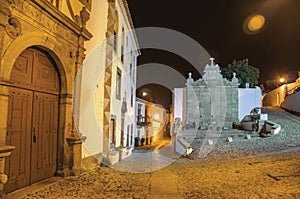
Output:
(256, 22)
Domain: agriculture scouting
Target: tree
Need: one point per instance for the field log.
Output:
(244, 72)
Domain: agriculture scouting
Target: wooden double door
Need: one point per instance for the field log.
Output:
(32, 123)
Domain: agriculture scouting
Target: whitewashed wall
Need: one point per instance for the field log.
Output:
(249, 98)
(292, 102)
(276, 96)
(89, 120)
(179, 103)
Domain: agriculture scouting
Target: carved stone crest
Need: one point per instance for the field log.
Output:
(13, 28)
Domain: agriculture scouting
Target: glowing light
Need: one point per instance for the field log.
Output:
(156, 117)
(253, 24)
(256, 22)
(282, 79)
(144, 94)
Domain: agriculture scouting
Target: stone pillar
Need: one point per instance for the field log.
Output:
(75, 143)
(235, 98)
(64, 135)
(5, 151)
(177, 130)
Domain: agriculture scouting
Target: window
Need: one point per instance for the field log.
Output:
(128, 136)
(131, 135)
(122, 46)
(112, 132)
(115, 41)
(116, 30)
(131, 65)
(131, 97)
(118, 83)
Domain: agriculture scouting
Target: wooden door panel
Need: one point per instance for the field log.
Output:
(45, 75)
(44, 143)
(18, 135)
(22, 69)
(32, 120)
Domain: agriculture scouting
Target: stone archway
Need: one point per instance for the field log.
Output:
(32, 121)
(68, 145)
(25, 24)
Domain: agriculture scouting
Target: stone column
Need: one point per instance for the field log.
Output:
(235, 98)
(5, 151)
(65, 113)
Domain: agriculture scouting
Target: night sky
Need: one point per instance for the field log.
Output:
(218, 26)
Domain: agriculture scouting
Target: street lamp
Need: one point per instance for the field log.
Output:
(284, 80)
(144, 94)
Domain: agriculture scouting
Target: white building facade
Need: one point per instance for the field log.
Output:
(106, 87)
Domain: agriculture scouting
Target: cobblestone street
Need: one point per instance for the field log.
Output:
(276, 176)
(257, 168)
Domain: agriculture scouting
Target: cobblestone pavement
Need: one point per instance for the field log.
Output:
(288, 138)
(253, 168)
(258, 177)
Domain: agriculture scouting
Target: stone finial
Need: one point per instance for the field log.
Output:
(84, 16)
(212, 61)
(235, 79)
(190, 79)
(212, 71)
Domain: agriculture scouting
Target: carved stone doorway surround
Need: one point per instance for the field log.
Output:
(39, 24)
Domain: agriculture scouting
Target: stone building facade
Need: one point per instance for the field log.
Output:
(41, 50)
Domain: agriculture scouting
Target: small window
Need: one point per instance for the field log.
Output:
(115, 41)
(131, 135)
(131, 97)
(122, 56)
(118, 83)
(112, 132)
(128, 136)
(131, 65)
(122, 46)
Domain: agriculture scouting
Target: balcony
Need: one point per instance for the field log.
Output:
(142, 121)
